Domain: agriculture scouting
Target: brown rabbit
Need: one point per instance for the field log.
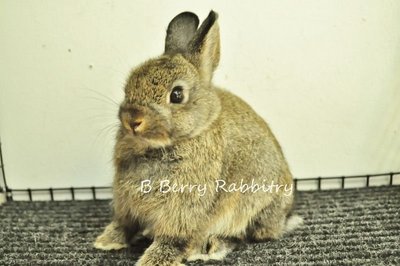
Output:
(185, 152)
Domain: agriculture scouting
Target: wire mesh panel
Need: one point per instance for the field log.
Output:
(316, 183)
(105, 192)
(345, 182)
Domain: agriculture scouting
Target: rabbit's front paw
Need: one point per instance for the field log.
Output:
(147, 261)
(215, 248)
(113, 238)
(164, 252)
(107, 245)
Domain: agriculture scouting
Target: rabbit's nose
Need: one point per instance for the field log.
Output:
(135, 125)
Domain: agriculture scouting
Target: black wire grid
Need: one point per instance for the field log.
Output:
(94, 189)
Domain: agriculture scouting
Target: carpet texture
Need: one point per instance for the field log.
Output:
(342, 227)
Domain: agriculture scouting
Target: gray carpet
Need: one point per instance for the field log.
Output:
(342, 227)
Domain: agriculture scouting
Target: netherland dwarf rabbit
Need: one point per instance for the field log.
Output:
(194, 164)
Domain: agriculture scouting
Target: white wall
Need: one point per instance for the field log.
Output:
(324, 74)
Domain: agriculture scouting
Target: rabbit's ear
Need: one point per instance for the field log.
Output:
(180, 32)
(204, 48)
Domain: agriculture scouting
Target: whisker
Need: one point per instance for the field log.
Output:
(103, 100)
(105, 97)
(105, 131)
(100, 109)
(99, 117)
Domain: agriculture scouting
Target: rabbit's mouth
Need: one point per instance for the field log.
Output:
(146, 123)
(156, 135)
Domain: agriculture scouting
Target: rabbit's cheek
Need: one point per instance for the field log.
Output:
(183, 124)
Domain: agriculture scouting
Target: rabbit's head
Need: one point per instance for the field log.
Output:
(171, 97)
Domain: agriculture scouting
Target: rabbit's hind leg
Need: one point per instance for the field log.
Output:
(272, 222)
(269, 223)
(265, 227)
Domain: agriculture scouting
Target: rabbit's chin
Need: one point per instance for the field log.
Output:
(159, 142)
(157, 139)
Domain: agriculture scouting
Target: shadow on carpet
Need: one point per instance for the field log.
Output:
(342, 227)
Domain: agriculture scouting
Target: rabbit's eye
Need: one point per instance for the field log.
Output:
(176, 95)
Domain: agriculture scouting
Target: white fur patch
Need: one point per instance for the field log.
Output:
(159, 143)
(111, 246)
(293, 222)
(219, 255)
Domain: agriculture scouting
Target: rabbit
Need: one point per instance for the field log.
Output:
(178, 130)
